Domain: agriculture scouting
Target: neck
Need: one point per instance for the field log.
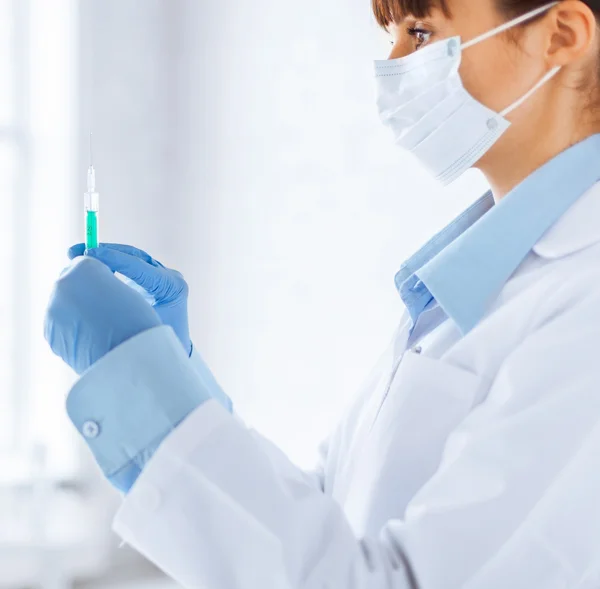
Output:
(517, 155)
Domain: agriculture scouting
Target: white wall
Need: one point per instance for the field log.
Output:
(238, 142)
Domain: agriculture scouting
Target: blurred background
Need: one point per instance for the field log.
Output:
(237, 142)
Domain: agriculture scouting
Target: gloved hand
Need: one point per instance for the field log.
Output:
(168, 287)
(91, 312)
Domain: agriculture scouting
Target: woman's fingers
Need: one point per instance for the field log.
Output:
(76, 251)
(79, 250)
(132, 251)
(151, 278)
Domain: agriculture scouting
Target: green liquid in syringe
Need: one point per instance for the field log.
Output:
(91, 229)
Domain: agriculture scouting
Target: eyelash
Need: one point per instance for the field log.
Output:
(414, 31)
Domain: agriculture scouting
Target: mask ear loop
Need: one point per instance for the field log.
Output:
(521, 100)
(509, 25)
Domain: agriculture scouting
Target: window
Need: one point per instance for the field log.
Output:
(11, 159)
(37, 125)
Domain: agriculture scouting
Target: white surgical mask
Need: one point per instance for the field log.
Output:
(421, 98)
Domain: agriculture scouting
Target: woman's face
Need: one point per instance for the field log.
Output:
(497, 71)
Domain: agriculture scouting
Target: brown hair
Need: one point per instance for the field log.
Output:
(388, 11)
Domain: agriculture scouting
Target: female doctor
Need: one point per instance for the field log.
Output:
(471, 456)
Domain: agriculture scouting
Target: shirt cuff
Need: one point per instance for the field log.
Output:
(133, 397)
(208, 380)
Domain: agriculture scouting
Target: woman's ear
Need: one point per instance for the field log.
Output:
(573, 33)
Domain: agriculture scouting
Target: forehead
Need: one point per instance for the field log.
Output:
(389, 11)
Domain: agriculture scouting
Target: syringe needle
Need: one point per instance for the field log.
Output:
(91, 160)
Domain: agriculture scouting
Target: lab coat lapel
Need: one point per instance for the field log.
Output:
(576, 230)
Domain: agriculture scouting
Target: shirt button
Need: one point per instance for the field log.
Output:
(90, 429)
(417, 349)
(148, 497)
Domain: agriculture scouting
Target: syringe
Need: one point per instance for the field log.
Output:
(91, 206)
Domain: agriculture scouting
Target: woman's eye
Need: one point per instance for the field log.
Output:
(421, 35)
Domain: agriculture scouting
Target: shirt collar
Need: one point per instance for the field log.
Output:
(466, 265)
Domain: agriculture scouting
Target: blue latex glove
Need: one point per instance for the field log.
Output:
(168, 287)
(91, 312)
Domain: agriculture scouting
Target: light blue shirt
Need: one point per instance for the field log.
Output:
(115, 407)
(131, 399)
(464, 267)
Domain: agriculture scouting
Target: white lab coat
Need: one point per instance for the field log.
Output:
(476, 468)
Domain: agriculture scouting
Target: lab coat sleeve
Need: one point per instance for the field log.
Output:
(314, 478)
(514, 503)
(244, 523)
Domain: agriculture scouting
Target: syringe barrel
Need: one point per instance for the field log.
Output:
(91, 201)
(91, 206)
